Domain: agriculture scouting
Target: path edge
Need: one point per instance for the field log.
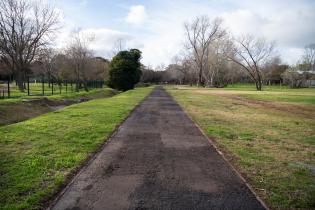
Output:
(72, 176)
(210, 141)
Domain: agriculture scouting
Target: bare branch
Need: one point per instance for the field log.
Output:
(25, 28)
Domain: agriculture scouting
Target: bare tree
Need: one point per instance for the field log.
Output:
(100, 70)
(48, 63)
(25, 27)
(251, 54)
(214, 62)
(119, 45)
(185, 65)
(309, 56)
(201, 33)
(80, 58)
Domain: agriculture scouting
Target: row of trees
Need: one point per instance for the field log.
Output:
(27, 29)
(211, 57)
(76, 62)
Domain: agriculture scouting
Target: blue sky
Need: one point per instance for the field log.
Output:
(156, 27)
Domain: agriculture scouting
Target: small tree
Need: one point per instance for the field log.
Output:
(309, 58)
(48, 63)
(79, 58)
(125, 70)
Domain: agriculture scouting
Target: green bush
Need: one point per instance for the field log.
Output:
(125, 70)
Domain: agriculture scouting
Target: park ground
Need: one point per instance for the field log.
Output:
(39, 154)
(22, 107)
(269, 136)
(166, 164)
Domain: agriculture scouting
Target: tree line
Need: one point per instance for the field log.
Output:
(27, 29)
(211, 57)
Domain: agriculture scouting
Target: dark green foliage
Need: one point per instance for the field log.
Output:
(125, 70)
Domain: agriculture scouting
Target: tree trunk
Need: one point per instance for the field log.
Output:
(8, 87)
(77, 88)
(49, 80)
(43, 86)
(258, 85)
(211, 79)
(199, 82)
(28, 85)
(19, 78)
(85, 86)
(21, 85)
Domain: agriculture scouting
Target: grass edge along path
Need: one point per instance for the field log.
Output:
(38, 154)
(273, 148)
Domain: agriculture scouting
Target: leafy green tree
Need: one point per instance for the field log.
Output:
(125, 70)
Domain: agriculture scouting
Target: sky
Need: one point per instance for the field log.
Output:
(156, 27)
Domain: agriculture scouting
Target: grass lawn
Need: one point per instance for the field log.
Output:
(36, 92)
(268, 135)
(16, 110)
(38, 154)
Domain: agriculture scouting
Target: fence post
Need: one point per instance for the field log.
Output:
(9, 87)
(43, 86)
(60, 86)
(66, 86)
(28, 85)
(52, 87)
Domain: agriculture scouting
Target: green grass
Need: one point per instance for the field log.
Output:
(276, 93)
(36, 92)
(251, 86)
(16, 110)
(72, 95)
(38, 154)
(269, 136)
(269, 93)
(284, 97)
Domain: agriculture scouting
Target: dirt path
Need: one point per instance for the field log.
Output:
(158, 159)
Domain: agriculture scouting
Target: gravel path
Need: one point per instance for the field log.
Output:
(158, 159)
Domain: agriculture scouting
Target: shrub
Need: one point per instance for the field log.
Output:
(125, 70)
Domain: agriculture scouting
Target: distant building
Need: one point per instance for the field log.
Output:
(310, 78)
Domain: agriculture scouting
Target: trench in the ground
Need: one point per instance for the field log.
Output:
(29, 108)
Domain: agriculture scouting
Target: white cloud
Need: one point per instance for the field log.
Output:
(243, 21)
(137, 15)
(160, 34)
(105, 39)
(291, 28)
(291, 55)
(103, 42)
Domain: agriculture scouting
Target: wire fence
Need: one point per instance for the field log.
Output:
(9, 89)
